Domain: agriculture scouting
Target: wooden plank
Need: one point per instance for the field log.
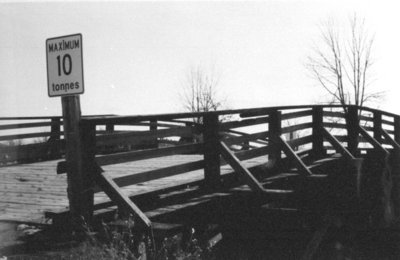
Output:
(297, 127)
(387, 122)
(139, 155)
(30, 118)
(297, 114)
(234, 162)
(243, 123)
(113, 191)
(139, 136)
(28, 125)
(158, 173)
(335, 125)
(333, 114)
(246, 137)
(25, 136)
(300, 141)
(255, 152)
(337, 145)
(296, 159)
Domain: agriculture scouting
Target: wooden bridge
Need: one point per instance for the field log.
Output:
(213, 167)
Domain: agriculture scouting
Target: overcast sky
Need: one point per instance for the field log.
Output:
(136, 54)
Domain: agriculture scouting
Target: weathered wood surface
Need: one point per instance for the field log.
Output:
(28, 190)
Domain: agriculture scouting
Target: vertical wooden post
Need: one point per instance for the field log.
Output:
(55, 137)
(89, 169)
(397, 129)
(153, 127)
(352, 122)
(396, 169)
(317, 136)
(377, 120)
(109, 128)
(275, 131)
(212, 173)
(74, 154)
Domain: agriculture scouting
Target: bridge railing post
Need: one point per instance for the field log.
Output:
(89, 167)
(317, 135)
(377, 120)
(55, 137)
(275, 131)
(109, 128)
(397, 129)
(352, 122)
(396, 169)
(212, 172)
(153, 127)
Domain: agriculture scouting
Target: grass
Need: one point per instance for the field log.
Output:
(111, 242)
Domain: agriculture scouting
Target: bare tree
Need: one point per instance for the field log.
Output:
(342, 63)
(342, 66)
(200, 91)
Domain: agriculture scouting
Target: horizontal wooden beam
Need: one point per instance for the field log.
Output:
(246, 137)
(335, 125)
(333, 114)
(297, 127)
(26, 136)
(297, 114)
(243, 123)
(158, 173)
(110, 139)
(29, 125)
(300, 141)
(139, 155)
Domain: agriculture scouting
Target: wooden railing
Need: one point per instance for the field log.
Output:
(285, 136)
(29, 139)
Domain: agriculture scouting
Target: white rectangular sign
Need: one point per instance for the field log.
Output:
(64, 65)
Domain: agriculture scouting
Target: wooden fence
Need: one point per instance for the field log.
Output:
(29, 139)
(285, 136)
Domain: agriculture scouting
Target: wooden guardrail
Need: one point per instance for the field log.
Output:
(29, 139)
(284, 135)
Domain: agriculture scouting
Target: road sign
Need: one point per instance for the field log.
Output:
(64, 65)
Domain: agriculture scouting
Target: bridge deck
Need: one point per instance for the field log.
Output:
(28, 190)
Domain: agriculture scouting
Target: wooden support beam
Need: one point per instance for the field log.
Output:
(390, 140)
(301, 167)
(234, 162)
(337, 145)
(377, 145)
(113, 191)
